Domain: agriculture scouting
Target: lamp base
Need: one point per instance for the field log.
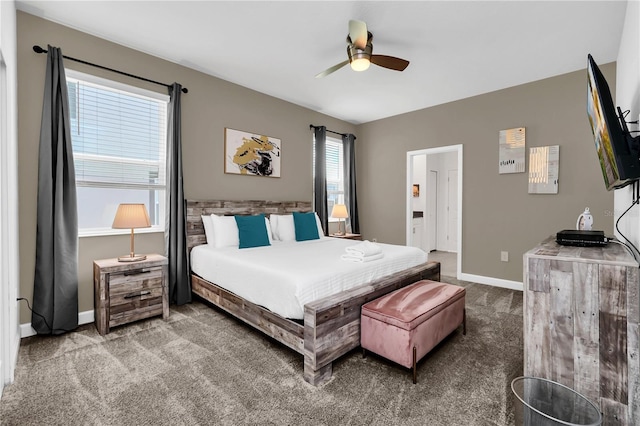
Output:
(132, 258)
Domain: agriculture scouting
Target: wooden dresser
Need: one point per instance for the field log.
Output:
(581, 312)
(129, 291)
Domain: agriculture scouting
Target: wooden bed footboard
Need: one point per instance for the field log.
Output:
(332, 324)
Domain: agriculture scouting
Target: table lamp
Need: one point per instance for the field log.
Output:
(339, 212)
(131, 216)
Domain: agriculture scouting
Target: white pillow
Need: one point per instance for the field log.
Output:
(320, 230)
(225, 230)
(269, 231)
(274, 225)
(284, 228)
(208, 228)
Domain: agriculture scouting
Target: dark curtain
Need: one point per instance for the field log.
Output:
(350, 194)
(55, 286)
(176, 221)
(320, 178)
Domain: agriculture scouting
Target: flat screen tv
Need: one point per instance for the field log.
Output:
(617, 150)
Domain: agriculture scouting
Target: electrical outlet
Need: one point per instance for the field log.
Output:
(504, 256)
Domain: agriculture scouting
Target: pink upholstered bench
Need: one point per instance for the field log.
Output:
(404, 325)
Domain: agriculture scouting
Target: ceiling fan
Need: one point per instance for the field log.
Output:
(359, 51)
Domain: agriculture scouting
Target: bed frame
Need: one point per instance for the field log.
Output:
(331, 325)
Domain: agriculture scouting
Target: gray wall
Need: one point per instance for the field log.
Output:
(210, 106)
(498, 214)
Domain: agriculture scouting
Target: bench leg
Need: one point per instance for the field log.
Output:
(464, 322)
(414, 366)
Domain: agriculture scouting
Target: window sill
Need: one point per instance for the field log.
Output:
(108, 232)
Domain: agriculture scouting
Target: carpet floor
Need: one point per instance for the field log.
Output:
(203, 367)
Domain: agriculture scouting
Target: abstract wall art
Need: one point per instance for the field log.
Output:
(511, 150)
(251, 154)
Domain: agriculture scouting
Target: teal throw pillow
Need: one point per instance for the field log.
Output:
(252, 231)
(306, 226)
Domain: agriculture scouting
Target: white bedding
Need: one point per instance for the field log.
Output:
(285, 276)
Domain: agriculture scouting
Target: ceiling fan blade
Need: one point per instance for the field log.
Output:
(332, 69)
(358, 33)
(390, 62)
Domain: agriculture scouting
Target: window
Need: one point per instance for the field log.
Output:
(335, 175)
(118, 134)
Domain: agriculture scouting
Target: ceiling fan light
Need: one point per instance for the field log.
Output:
(360, 64)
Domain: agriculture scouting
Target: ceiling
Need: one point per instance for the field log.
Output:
(457, 49)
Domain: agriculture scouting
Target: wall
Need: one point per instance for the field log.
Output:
(210, 106)
(627, 96)
(9, 331)
(420, 178)
(498, 213)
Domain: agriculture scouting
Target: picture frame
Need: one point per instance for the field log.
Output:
(251, 154)
(416, 190)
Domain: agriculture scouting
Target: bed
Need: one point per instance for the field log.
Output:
(321, 329)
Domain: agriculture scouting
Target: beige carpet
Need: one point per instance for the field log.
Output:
(202, 367)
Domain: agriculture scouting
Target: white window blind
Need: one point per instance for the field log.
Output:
(118, 134)
(335, 174)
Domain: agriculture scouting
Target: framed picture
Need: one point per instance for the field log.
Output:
(544, 164)
(511, 150)
(251, 154)
(416, 190)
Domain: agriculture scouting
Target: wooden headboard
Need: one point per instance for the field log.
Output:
(197, 208)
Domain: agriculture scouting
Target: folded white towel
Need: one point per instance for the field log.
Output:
(364, 249)
(356, 258)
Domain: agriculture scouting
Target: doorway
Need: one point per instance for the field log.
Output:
(439, 172)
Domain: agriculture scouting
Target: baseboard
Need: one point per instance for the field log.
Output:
(13, 361)
(16, 351)
(496, 282)
(85, 317)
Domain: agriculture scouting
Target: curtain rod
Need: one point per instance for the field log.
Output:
(39, 49)
(311, 126)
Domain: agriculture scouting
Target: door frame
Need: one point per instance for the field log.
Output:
(433, 176)
(409, 195)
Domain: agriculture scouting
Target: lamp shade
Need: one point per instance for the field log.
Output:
(339, 211)
(131, 216)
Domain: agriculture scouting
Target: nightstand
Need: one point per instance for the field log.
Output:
(129, 291)
(347, 236)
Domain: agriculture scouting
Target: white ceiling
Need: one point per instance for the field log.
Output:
(457, 49)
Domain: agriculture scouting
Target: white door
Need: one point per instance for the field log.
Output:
(452, 209)
(432, 211)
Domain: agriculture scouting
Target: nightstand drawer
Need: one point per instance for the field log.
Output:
(134, 298)
(133, 307)
(137, 278)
